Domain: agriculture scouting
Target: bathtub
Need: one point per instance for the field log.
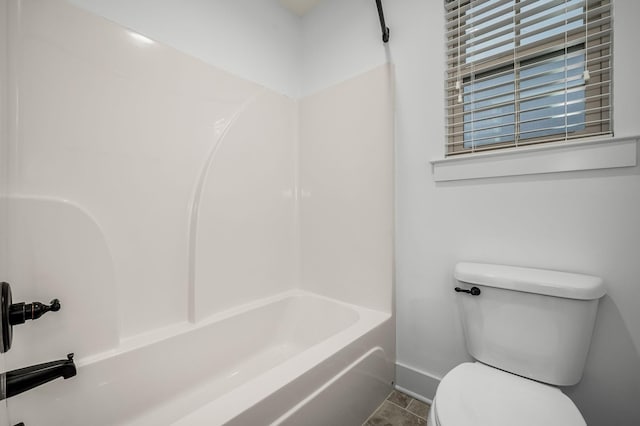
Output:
(292, 359)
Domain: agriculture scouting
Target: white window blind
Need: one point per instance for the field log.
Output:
(521, 72)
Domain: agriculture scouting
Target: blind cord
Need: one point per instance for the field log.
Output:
(585, 75)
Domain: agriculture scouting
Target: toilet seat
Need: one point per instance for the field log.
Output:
(474, 394)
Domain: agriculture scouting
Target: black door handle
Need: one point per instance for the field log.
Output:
(475, 291)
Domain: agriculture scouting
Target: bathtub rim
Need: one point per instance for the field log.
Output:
(162, 334)
(233, 403)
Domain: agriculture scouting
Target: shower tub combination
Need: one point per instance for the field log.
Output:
(296, 358)
(266, 193)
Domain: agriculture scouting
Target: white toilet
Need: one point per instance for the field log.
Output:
(528, 329)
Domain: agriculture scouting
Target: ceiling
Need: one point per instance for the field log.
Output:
(299, 7)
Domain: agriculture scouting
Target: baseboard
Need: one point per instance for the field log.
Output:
(416, 383)
(413, 394)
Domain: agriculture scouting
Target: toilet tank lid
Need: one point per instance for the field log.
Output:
(530, 280)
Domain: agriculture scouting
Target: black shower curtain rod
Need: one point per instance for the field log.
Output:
(383, 26)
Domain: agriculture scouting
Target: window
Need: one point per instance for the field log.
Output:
(522, 72)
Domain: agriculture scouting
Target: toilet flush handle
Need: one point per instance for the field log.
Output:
(474, 291)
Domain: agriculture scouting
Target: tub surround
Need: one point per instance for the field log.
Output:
(124, 125)
(346, 213)
(164, 199)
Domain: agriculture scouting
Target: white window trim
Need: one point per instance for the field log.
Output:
(585, 154)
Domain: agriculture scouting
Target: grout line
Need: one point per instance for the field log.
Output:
(415, 414)
(376, 410)
(399, 406)
(407, 408)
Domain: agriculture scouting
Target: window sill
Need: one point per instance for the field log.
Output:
(549, 158)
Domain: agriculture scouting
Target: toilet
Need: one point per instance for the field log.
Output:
(529, 331)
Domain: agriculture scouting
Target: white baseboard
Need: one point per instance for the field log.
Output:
(413, 395)
(416, 383)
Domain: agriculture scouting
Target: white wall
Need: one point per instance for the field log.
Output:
(579, 221)
(340, 39)
(254, 39)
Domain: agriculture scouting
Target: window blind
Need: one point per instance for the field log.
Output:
(522, 72)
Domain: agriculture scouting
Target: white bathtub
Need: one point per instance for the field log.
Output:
(296, 358)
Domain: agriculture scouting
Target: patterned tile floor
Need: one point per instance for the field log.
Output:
(399, 409)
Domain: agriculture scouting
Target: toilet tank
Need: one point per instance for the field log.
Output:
(531, 322)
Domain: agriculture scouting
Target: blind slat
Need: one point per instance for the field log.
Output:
(531, 120)
(572, 37)
(589, 63)
(587, 99)
(523, 134)
(503, 94)
(593, 15)
(461, 35)
(521, 143)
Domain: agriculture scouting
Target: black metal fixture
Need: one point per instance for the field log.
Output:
(17, 313)
(23, 379)
(383, 26)
(474, 291)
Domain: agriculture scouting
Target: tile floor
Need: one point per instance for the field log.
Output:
(399, 409)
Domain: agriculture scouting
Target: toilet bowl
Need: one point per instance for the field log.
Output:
(474, 394)
(529, 331)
